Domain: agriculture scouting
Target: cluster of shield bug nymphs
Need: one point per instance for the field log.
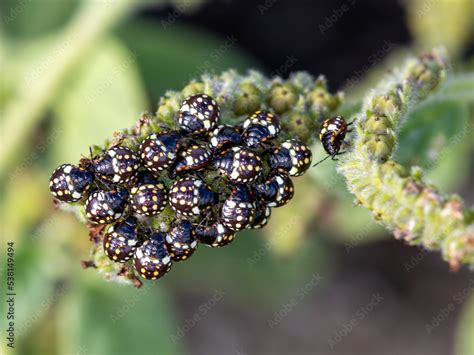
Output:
(214, 180)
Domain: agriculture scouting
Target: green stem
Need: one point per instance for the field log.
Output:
(415, 211)
(93, 21)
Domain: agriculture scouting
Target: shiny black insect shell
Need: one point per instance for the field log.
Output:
(121, 240)
(239, 164)
(260, 127)
(117, 165)
(225, 136)
(104, 207)
(277, 191)
(262, 215)
(68, 183)
(292, 157)
(181, 240)
(196, 157)
(152, 259)
(333, 133)
(215, 235)
(238, 210)
(159, 151)
(198, 114)
(148, 199)
(145, 177)
(190, 196)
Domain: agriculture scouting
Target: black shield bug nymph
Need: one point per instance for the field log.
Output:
(190, 196)
(152, 259)
(121, 240)
(159, 151)
(260, 127)
(225, 136)
(292, 157)
(332, 135)
(215, 235)
(240, 164)
(117, 165)
(103, 207)
(277, 191)
(181, 240)
(262, 215)
(198, 114)
(196, 157)
(238, 210)
(148, 199)
(68, 183)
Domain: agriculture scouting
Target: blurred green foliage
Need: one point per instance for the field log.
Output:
(103, 95)
(465, 340)
(426, 17)
(62, 309)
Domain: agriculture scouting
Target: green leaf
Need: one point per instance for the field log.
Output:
(106, 318)
(250, 272)
(429, 130)
(42, 267)
(103, 96)
(170, 55)
(459, 87)
(30, 18)
(453, 158)
(426, 18)
(465, 330)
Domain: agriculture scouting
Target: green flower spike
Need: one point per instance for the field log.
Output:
(415, 211)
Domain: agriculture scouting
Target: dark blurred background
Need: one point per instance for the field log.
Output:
(323, 277)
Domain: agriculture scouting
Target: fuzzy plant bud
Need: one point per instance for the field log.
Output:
(166, 111)
(300, 125)
(248, 99)
(379, 147)
(282, 97)
(378, 125)
(322, 101)
(193, 89)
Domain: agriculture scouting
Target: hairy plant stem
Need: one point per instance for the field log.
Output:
(414, 210)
